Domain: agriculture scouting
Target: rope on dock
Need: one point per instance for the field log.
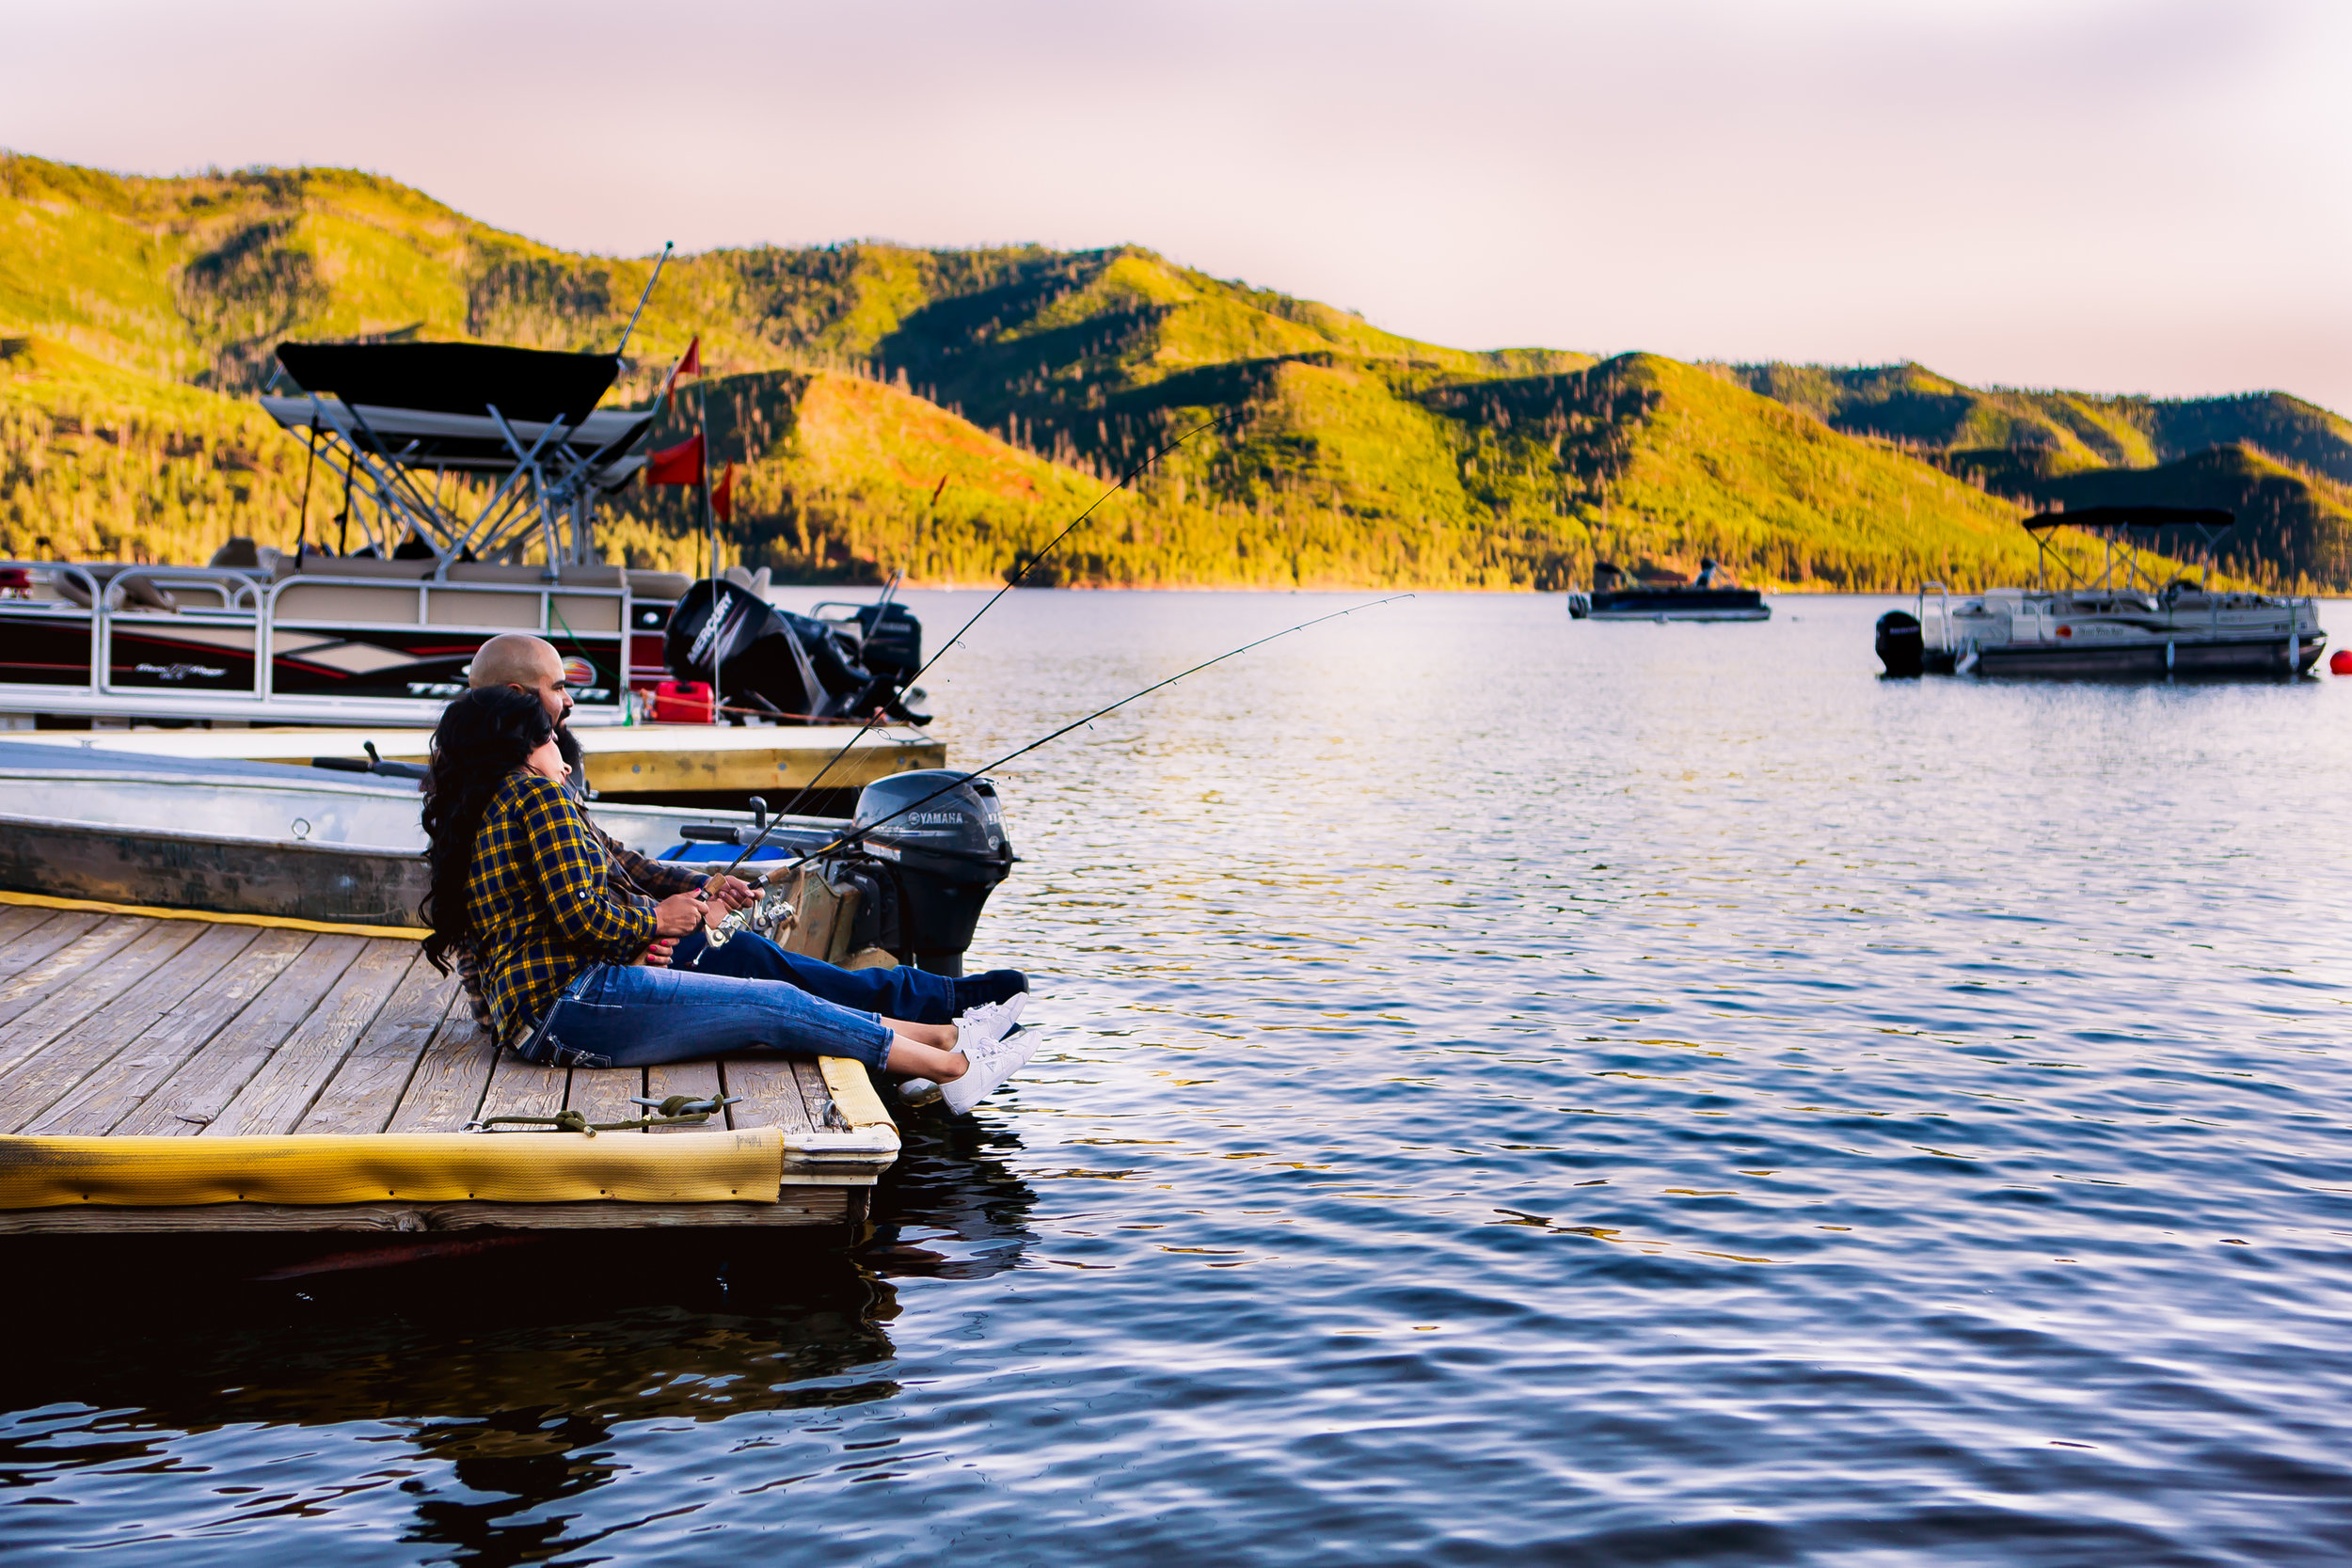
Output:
(283, 922)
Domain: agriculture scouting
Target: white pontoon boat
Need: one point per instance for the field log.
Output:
(382, 634)
(2122, 623)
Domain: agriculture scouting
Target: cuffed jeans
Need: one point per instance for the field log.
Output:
(912, 994)
(628, 1015)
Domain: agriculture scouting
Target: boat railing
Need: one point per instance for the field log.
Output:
(243, 611)
(59, 571)
(1942, 642)
(238, 591)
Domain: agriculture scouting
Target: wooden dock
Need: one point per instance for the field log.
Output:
(228, 1033)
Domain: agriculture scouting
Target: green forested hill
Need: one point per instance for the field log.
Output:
(2072, 430)
(2292, 524)
(2283, 464)
(137, 317)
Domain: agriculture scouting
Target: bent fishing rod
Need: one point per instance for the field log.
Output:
(1075, 725)
(1124, 479)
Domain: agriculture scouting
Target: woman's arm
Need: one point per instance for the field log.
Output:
(568, 865)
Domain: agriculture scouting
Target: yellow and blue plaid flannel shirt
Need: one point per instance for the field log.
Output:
(538, 900)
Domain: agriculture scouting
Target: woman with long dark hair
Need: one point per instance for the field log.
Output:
(575, 973)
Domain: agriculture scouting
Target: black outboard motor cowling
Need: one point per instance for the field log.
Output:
(1899, 644)
(948, 854)
(770, 661)
(894, 641)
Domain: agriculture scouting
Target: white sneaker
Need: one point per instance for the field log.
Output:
(991, 1064)
(975, 1031)
(990, 1021)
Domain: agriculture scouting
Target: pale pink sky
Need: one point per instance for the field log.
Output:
(2113, 194)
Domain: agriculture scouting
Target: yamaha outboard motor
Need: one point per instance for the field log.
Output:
(1899, 643)
(774, 662)
(946, 856)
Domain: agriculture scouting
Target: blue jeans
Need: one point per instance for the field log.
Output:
(913, 994)
(628, 1015)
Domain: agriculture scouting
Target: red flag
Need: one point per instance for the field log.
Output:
(722, 495)
(678, 465)
(692, 364)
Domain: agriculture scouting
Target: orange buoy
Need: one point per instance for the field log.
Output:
(2341, 663)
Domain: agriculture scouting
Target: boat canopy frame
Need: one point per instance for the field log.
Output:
(2117, 526)
(526, 418)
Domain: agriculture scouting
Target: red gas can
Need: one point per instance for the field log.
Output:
(681, 703)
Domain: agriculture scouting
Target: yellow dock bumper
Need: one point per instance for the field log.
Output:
(435, 1167)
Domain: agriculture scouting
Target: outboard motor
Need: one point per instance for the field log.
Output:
(1899, 643)
(775, 662)
(946, 856)
(893, 645)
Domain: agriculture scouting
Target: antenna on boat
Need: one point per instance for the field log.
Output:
(1011, 583)
(659, 263)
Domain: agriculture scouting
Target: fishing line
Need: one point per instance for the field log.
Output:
(1074, 724)
(1012, 583)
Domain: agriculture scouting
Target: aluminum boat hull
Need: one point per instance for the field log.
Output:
(240, 837)
(1679, 604)
(2141, 662)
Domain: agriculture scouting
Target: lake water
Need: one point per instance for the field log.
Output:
(1513, 1090)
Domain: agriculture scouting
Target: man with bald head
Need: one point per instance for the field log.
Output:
(531, 664)
(526, 663)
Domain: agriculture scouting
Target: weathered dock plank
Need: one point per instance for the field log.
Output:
(264, 1077)
(87, 1025)
(185, 1016)
(73, 982)
(447, 1087)
(367, 1085)
(195, 1092)
(519, 1088)
(815, 1094)
(29, 935)
(603, 1093)
(770, 1090)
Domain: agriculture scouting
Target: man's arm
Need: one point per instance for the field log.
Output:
(649, 875)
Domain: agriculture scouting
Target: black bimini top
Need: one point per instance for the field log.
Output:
(2144, 518)
(429, 406)
(531, 385)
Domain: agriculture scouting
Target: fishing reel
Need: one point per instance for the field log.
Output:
(770, 914)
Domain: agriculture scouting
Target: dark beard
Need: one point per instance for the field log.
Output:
(569, 747)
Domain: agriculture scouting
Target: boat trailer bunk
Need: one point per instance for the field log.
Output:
(2120, 622)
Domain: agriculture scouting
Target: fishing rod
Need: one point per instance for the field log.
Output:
(810, 787)
(659, 261)
(1076, 723)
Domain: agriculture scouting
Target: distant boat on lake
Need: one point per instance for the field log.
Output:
(1616, 596)
(2121, 625)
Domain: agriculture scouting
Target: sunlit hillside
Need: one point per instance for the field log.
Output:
(137, 318)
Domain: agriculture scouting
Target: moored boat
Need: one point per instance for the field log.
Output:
(380, 633)
(2122, 624)
(1616, 598)
(236, 836)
